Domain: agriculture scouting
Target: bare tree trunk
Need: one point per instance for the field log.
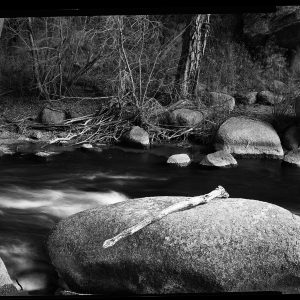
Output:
(36, 60)
(193, 47)
(1, 25)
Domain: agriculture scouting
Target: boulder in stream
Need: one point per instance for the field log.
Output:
(246, 137)
(226, 245)
(221, 159)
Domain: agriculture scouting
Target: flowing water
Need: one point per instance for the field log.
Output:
(35, 195)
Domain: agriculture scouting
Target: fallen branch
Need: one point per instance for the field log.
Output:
(219, 192)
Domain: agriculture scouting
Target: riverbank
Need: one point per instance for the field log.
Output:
(20, 118)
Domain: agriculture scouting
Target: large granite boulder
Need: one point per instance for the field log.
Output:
(136, 137)
(243, 136)
(220, 159)
(225, 245)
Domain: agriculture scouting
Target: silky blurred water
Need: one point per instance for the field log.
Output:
(36, 194)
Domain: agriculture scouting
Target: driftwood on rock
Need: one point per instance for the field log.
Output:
(219, 192)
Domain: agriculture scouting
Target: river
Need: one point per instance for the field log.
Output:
(35, 195)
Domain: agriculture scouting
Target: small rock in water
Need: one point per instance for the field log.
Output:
(137, 137)
(45, 153)
(181, 160)
(87, 146)
(221, 159)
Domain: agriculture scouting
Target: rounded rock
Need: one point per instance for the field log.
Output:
(50, 116)
(247, 137)
(268, 98)
(220, 99)
(137, 136)
(226, 245)
(186, 117)
(221, 159)
(181, 160)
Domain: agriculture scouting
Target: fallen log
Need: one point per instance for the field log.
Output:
(219, 192)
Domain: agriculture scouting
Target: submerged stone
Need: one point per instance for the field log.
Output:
(226, 245)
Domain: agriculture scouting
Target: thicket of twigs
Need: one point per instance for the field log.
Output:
(128, 63)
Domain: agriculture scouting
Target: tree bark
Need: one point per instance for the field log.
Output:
(35, 58)
(193, 47)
